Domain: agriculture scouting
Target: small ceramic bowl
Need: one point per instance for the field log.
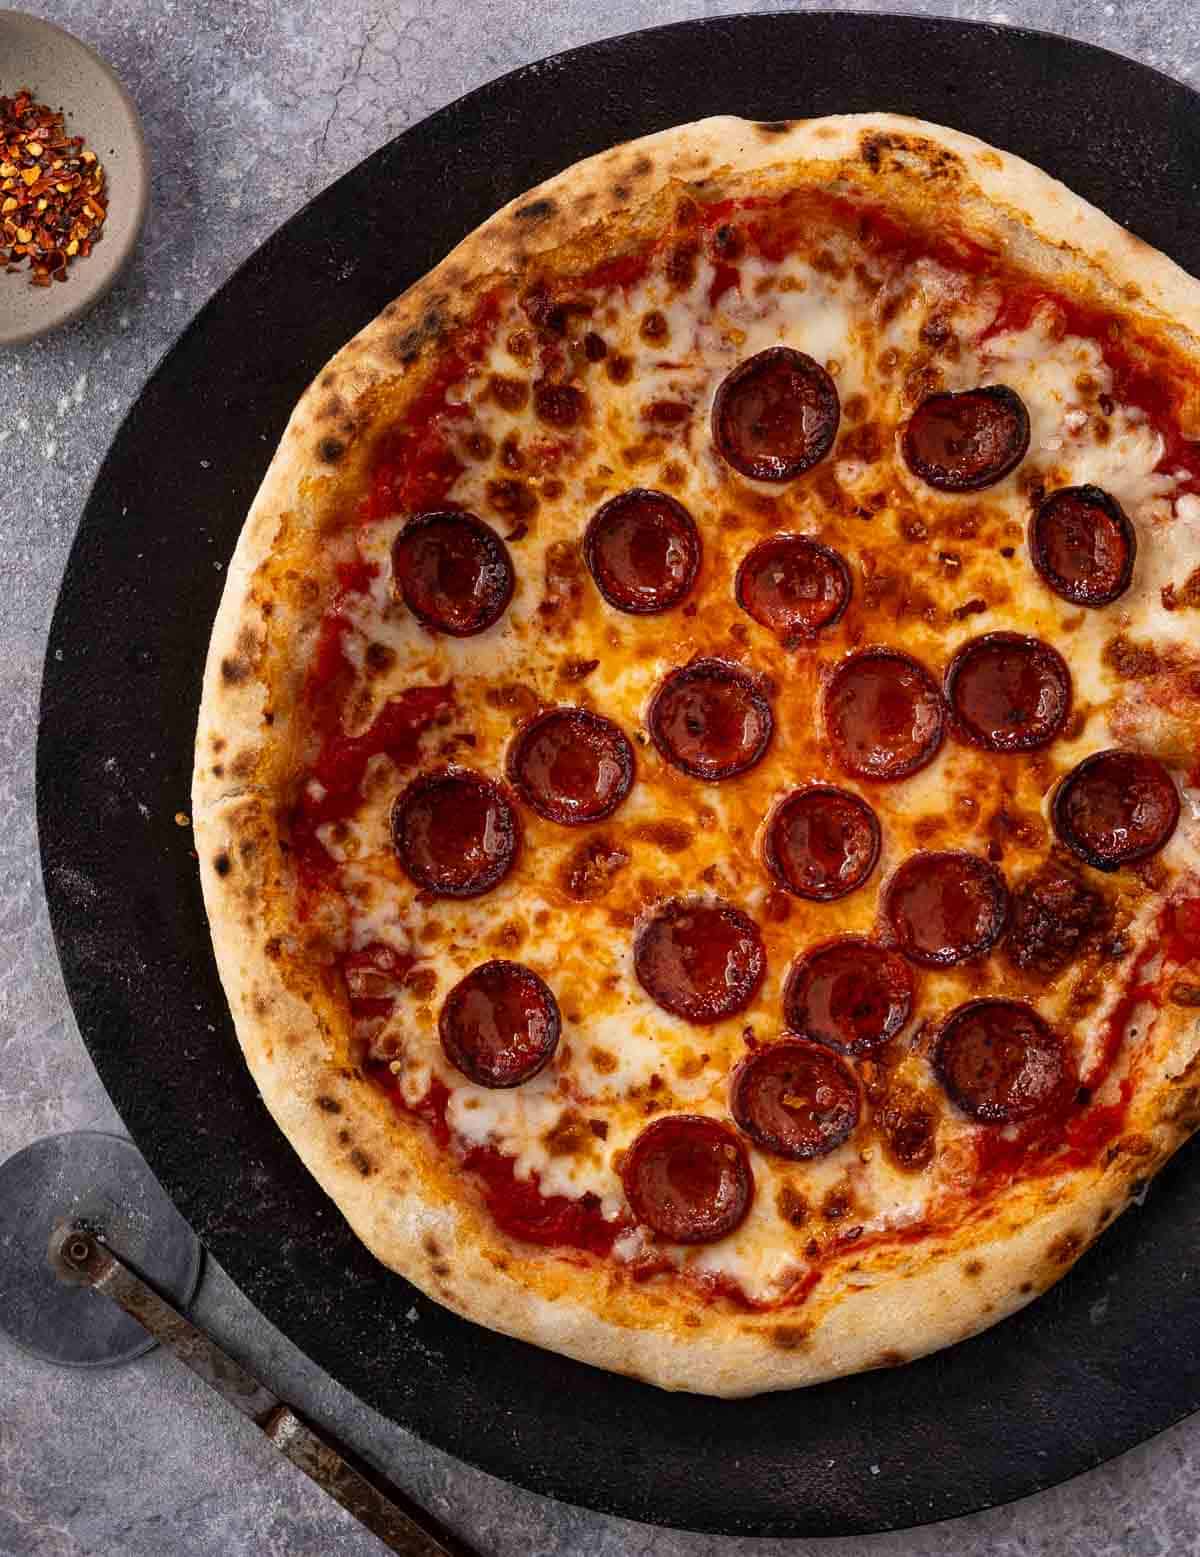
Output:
(66, 74)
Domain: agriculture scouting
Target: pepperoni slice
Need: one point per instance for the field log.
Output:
(1116, 808)
(571, 766)
(776, 415)
(851, 995)
(700, 961)
(793, 585)
(795, 1099)
(1008, 692)
(960, 443)
(943, 908)
(711, 720)
(822, 842)
(884, 713)
(1000, 1062)
(643, 550)
(453, 572)
(454, 833)
(500, 1025)
(688, 1178)
(1083, 545)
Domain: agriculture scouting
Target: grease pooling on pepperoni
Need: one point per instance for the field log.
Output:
(1000, 1062)
(776, 415)
(700, 960)
(884, 713)
(688, 1178)
(453, 572)
(500, 1025)
(966, 441)
(1116, 808)
(643, 550)
(710, 719)
(850, 994)
(455, 833)
(944, 907)
(795, 1099)
(793, 585)
(1008, 692)
(822, 842)
(571, 766)
(1083, 545)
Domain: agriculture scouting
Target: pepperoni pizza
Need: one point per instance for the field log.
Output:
(696, 777)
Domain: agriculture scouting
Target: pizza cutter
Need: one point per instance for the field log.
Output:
(68, 1204)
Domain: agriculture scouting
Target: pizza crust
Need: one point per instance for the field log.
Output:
(378, 1167)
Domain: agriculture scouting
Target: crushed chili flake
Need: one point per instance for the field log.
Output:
(53, 202)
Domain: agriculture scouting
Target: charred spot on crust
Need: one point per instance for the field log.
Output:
(362, 1162)
(789, 1338)
(890, 1359)
(431, 1246)
(769, 127)
(328, 1105)
(1065, 1248)
(222, 864)
(535, 211)
(234, 671)
(973, 1268)
(406, 347)
(642, 167)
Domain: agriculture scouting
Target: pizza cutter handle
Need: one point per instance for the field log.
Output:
(79, 1257)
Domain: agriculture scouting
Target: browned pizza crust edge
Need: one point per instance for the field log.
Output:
(876, 1308)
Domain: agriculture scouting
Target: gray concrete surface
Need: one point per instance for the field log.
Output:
(251, 106)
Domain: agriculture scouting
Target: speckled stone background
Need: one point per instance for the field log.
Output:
(251, 107)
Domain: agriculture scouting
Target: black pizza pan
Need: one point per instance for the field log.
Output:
(1107, 1358)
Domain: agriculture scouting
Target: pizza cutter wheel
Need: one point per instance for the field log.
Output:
(78, 1302)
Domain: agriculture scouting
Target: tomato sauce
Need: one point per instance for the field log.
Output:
(1141, 375)
(415, 470)
(416, 466)
(342, 763)
(1075, 1134)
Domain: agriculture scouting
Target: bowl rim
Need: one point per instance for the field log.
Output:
(90, 292)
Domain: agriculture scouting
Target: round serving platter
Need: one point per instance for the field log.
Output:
(1107, 1358)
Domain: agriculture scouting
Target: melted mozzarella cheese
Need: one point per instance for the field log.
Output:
(930, 572)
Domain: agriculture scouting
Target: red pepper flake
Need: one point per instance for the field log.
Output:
(53, 202)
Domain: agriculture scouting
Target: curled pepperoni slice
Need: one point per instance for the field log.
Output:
(711, 720)
(1008, 692)
(795, 1099)
(500, 1025)
(453, 572)
(688, 1178)
(1083, 545)
(822, 842)
(701, 961)
(851, 995)
(643, 550)
(571, 766)
(776, 415)
(1000, 1062)
(1116, 808)
(455, 833)
(943, 908)
(793, 585)
(960, 443)
(884, 713)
